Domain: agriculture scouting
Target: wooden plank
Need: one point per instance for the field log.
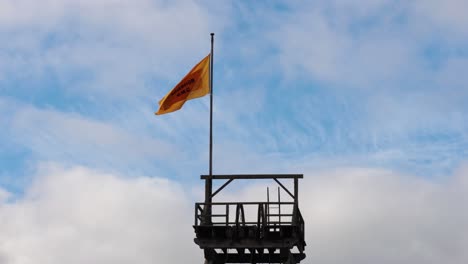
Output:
(253, 176)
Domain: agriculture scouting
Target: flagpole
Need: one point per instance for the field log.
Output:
(211, 106)
(209, 181)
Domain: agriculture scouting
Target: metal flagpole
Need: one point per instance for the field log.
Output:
(209, 180)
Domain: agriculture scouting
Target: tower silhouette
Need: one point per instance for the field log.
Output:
(275, 236)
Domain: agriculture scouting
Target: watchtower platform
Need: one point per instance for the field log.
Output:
(276, 234)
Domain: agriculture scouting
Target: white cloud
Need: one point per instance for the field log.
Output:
(4, 195)
(72, 138)
(448, 16)
(76, 215)
(369, 44)
(338, 44)
(82, 216)
(364, 216)
(113, 47)
(360, 215)
(382, 76)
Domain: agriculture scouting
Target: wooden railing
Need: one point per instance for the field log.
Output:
(288, 215)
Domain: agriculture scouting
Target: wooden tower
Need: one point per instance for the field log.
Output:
(275, 236)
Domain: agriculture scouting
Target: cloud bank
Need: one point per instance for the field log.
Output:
(82, 216)
(374, 216)
(77, 215)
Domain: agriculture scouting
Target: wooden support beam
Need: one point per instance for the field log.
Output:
(284, 188)
(222, 187)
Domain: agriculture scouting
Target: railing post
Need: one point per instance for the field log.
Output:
(268, 206)
(227, 214)
(260, 220)
(296, 200)
(279, 207)
(196, 216)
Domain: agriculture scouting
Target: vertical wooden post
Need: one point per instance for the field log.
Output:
(296, 200)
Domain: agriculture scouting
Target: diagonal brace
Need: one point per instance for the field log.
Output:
(222, 187)
(284, 188)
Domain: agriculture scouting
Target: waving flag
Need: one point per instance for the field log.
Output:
(195, 84)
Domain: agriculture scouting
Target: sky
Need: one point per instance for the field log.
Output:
(366, 98)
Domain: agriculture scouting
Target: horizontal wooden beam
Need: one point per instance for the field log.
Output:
(253, 176)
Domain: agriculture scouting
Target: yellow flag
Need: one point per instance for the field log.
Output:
(195, 84)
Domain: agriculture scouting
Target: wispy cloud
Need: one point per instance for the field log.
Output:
(70, 138)
(375, 83)
(109, 48)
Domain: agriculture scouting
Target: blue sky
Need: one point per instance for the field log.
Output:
(378, 84)
(300, 87)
